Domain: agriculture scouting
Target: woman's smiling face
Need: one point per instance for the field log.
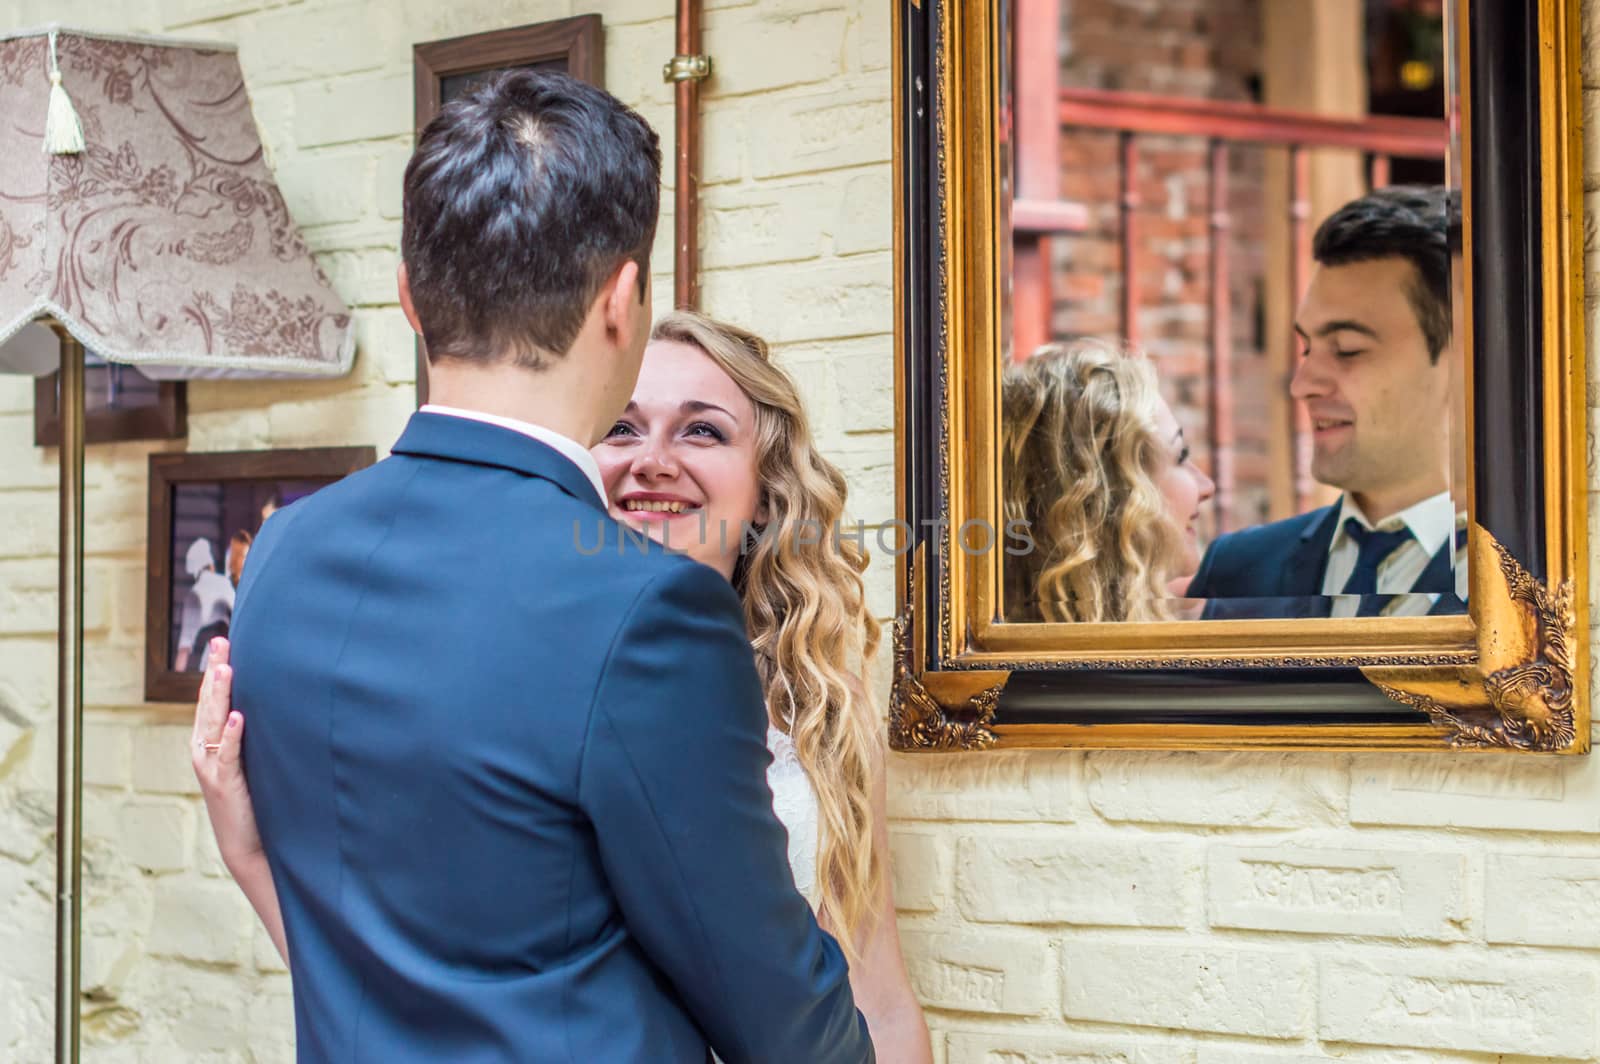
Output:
(680, 463)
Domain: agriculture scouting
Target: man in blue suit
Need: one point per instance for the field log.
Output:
(513, 790)
(1374, 325)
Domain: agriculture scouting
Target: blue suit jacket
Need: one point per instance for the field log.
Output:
(1276, 570)
(511, 786)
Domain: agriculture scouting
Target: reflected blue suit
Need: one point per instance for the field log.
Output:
(511, 787)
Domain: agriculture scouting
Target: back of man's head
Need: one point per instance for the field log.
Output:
(1403, 221)
(522, 199)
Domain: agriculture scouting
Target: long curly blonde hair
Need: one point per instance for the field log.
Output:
(806, 613)
(1080, 447)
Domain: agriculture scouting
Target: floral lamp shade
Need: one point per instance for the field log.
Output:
(138, 212)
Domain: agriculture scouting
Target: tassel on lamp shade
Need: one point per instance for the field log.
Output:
(63, 133)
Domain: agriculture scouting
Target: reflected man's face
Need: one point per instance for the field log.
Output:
(1378, 402)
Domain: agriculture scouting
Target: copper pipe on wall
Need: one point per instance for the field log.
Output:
(688, 68)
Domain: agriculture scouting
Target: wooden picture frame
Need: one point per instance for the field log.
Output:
(165, 416)
(440, 69)
(1512, 674)
(228, 485)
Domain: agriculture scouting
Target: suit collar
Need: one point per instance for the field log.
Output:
(457, 439)
(1303, 573)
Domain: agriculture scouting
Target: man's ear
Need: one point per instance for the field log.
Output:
(621, 299)
(403, 281)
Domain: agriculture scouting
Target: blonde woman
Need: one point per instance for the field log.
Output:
(1096, 465)
(713, 456)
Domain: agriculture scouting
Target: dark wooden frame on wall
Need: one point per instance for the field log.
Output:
(167, 472)
(580, 41)
(1512, 675)
(165, 419)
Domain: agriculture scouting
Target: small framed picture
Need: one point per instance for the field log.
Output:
(120, 403)
(205, 512)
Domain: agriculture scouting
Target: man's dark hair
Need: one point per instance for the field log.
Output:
(1406, 222)
(522, 198)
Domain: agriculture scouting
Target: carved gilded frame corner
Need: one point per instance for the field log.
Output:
(1511, 675)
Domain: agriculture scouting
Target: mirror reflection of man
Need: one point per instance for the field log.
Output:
(1373, 329)
(207, 608)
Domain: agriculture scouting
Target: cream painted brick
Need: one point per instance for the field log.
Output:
(755, 51)
(32, 520)
(865, 220)
(207, 857)
(30, 604)
(1017, 1047)
(818, 300)
(376, 420)
(850, 123)
(1542, 901)
(645, 47)
(1513, 794)
(873, 32)
(157, 835)
(920, 864)
(351, 109)
(390, 180)
(264, 953)
(1000, 972)
(202, 922)
(1232, 1054)
(384, 338)
(16, 394)
(363, 276)
(28, 664)
(1393, 893)
(1264, 993)
(29, 819)
(326, 188)
(313, 41)
(860, 397)
(879, 581)
(231, 430)
(760, 224)
(1073, 879)
(27, 466)
(1492, 1005)
(210, 1011)
(107, 754)
(161, 763)
(723, 142)
(177, 13)
(271, 1023)
(1231, 790)
(116, 677)
(1022, 785)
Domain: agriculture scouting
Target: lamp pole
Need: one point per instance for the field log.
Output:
(69, 720)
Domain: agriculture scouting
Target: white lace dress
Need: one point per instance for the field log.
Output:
(795, 802)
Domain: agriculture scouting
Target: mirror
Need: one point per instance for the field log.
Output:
(1336, 243)
(1230, 274)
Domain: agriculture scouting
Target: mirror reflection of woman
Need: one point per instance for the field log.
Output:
(716, 438)
(1095, 464)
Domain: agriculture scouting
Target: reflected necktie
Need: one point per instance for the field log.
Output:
(1372, 547)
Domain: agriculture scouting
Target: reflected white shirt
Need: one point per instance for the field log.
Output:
(1432, 522)
(565, 445)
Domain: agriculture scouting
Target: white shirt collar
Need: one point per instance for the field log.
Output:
(1432, 521)
(565, 445)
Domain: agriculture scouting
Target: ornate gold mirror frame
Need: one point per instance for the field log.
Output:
(1513, 674)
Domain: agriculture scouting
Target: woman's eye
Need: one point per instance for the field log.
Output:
(1183, 456)
(705, 430)
(1341, 353)
(621, 428)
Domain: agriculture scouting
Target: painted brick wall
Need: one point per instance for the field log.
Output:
(1203, 909)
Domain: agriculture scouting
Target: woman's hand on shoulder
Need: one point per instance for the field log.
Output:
(216, 748)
